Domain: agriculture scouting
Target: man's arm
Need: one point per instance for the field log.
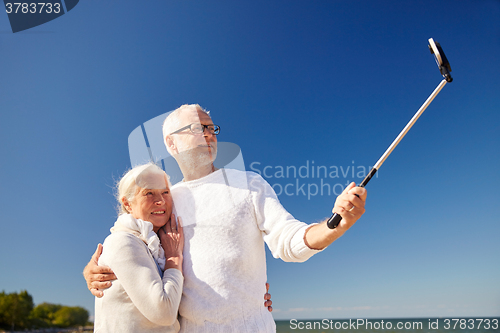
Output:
(290, 239)
(350, 205)
(97, 277)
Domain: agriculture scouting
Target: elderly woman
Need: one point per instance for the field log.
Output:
(145, 252)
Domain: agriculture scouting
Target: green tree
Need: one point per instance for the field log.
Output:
(71, 316)
(43, 314)
(15, 309)
(17, 312)
(47, 315)
(3, 320)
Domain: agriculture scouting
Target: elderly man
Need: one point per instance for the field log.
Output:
(228, 216)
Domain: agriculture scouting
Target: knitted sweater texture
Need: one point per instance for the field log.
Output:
(228, 216)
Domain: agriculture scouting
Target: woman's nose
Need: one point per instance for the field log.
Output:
(159, 200)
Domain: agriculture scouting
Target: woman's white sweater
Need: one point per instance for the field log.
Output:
(139, 300)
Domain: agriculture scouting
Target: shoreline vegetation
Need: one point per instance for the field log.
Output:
(19, 314)
(55, 330)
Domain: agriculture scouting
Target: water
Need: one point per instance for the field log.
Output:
(408, 325)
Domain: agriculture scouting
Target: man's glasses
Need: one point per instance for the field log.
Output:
(199, 129)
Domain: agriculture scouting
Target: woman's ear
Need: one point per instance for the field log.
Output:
(127, 205)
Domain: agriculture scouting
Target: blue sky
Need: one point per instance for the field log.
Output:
(292, 83)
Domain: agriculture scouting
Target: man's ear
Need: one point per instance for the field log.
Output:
(170, 145)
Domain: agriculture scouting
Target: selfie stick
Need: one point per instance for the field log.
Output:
(445, 69)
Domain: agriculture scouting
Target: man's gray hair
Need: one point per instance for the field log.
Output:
(127, 186)
(173, 122)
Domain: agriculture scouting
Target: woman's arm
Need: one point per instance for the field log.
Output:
(156, 298)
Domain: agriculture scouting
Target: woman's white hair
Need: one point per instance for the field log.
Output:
(127, 186)
(173, 121)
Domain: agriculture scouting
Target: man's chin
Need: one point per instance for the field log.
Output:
(213, 154)
(206, 153)
(199, 156)
(206, 158)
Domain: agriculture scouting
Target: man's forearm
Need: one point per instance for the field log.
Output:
(350, 205)
(97, 277)
(320, 236)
